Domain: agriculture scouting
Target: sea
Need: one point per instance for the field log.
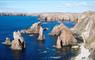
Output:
(35, 50)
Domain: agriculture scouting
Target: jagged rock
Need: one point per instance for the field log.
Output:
(56, 30)
(65, 36)
(17, 35)
(36, 28)
(18, 42)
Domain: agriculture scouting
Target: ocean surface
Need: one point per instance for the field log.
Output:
(35, 50)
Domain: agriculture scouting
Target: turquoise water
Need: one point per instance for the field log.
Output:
(35, 50)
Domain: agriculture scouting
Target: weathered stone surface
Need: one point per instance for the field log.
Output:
(86, 28)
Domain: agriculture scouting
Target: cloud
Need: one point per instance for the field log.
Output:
(75, 4)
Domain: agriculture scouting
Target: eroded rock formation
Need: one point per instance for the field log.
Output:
(36, 28)
(65, 36)
(18, 42)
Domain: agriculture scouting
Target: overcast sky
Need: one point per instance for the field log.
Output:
(47, 5)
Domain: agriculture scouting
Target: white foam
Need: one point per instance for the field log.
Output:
(55, 57)
(84, 53)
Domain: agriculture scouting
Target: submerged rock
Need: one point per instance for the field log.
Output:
(7, 41)
(18, 42)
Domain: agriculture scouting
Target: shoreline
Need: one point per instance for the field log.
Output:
(52, 16)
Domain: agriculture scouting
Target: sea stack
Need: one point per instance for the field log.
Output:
(18, 42)
(65, 36)
(41, 35)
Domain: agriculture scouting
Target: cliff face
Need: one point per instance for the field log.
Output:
(59, 16)
(86, 28)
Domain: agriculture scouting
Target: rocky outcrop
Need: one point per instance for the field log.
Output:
(86, 28)
(18, 42)
(65, 36)
(36, 28)
(33, 29)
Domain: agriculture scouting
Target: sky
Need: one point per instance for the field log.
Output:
(47, 5)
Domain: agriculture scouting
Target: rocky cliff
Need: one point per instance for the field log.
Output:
(86, 29)
(59, 16)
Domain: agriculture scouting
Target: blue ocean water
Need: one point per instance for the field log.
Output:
(35, 50)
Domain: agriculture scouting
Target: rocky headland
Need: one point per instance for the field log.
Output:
(83, 30)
